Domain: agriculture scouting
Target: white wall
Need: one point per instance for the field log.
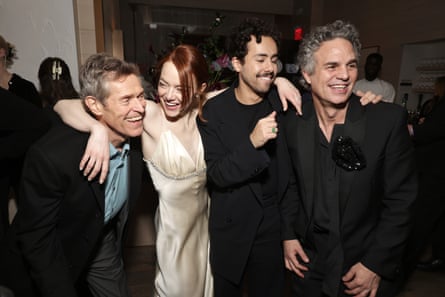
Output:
(38, 29)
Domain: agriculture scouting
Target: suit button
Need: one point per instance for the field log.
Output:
(228, 220)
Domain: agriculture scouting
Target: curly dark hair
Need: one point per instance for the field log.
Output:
(241, 35)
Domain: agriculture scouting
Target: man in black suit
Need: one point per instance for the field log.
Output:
(345, 231)
(239, 135)
(70, 229)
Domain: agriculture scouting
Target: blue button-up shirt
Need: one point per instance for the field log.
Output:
(116, 184)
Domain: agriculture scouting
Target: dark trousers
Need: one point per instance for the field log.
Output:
(264, 273)
(106, 276)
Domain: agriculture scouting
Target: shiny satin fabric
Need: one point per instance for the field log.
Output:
(181, 221)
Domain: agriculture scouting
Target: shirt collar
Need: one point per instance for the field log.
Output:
(115, 153)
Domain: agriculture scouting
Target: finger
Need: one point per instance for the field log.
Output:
(359, 93)
(297, 104)
(377, 99)
(296, 269)
(352, 285)
(348, 276)
(89, 166)
(274, 130)
(84, 161)
(104, 172)
(354, 291)
(284, 102)
(287, 264)
(272, 115)
(303, 256)
(95, 170)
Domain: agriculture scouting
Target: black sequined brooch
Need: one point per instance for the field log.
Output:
(347, 154)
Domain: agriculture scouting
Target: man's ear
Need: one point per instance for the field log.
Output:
(94, 106)
(236, 63)
(306, 76)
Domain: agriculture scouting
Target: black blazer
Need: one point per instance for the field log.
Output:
(61, 215)
(374, 206)
(235, 207)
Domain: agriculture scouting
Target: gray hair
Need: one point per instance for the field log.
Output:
(312, 42)
(98, 70)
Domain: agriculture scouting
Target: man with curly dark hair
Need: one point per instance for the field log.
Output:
(241, 151)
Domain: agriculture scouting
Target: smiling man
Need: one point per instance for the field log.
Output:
(70, 229)
(345, 231)
(240, 138)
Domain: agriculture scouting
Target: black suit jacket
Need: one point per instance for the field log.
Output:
(374, 207)
(61, 215)
(235, 208)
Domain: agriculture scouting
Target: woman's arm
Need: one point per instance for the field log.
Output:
(288, 92)
(97, 152)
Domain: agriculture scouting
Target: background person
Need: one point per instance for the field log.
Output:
(372, 82)
(26, 90)
(429, 212)
(55, 84)
(12, 81)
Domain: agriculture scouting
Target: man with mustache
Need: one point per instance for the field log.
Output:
(239, 134)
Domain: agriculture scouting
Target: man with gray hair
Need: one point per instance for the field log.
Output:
(70, 229)
(345, 231)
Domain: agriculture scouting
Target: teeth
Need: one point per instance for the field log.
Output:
(135, 119)
(339, 87)
(171, 103)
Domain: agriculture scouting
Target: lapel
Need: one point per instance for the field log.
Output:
(283, 163)
(354, 127)
(134, 170)
(307, 142)
(99, 193)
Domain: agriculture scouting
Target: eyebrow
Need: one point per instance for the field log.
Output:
(265, 55)
(337, 63)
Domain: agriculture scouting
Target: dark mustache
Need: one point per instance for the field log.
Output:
(267, 74)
